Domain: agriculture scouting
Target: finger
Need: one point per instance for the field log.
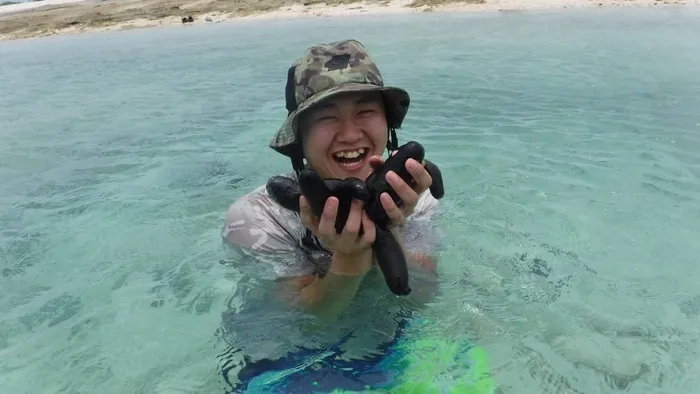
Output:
(307, 216)
(370, 232)
(326, 225)
(352, 226)
(420, 175)
(392, 210)
(408, 196)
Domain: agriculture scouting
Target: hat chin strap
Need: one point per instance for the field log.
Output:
(393, 143)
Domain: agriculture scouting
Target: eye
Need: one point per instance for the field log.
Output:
(325, 119)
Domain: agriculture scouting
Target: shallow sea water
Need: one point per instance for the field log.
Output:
(569, 142)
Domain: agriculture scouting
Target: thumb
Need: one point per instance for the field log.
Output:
(375, 161)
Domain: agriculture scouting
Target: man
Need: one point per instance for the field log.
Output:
(340, 119)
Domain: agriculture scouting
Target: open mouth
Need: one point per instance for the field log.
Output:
(351, 159)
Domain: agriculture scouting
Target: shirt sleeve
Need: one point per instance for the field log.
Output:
(261, 236)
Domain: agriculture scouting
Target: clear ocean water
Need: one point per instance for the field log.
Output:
(569, 141)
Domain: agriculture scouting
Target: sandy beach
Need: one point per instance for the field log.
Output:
(52, 17)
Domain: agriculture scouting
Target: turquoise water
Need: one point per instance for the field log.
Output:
(570, 144)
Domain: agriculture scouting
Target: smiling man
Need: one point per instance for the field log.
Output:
(340, 135)
(340, 120)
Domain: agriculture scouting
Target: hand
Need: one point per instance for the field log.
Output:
(408, 193)
(349, 242)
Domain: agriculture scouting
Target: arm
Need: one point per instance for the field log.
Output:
(330, 295)
(419, 237)
(416, 259)
(263, 229)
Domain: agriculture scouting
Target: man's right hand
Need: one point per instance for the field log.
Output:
(352, 256)
(349, 244)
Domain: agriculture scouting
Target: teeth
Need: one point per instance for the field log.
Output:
(352, 154)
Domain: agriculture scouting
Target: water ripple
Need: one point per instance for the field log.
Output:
(570, 154)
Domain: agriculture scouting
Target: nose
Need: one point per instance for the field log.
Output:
(349, 131)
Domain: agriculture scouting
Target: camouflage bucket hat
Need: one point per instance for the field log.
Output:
(326, 70)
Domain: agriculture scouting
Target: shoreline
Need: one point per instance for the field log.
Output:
(81, 17)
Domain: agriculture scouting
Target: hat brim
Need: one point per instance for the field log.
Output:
(396, 102)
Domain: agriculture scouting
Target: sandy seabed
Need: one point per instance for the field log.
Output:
(52, 17)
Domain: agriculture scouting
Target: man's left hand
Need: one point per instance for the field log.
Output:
(407, 192)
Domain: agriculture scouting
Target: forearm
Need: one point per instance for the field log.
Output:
(328, 296)
(414, 259)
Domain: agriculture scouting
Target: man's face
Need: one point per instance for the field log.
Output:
(340, 134)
